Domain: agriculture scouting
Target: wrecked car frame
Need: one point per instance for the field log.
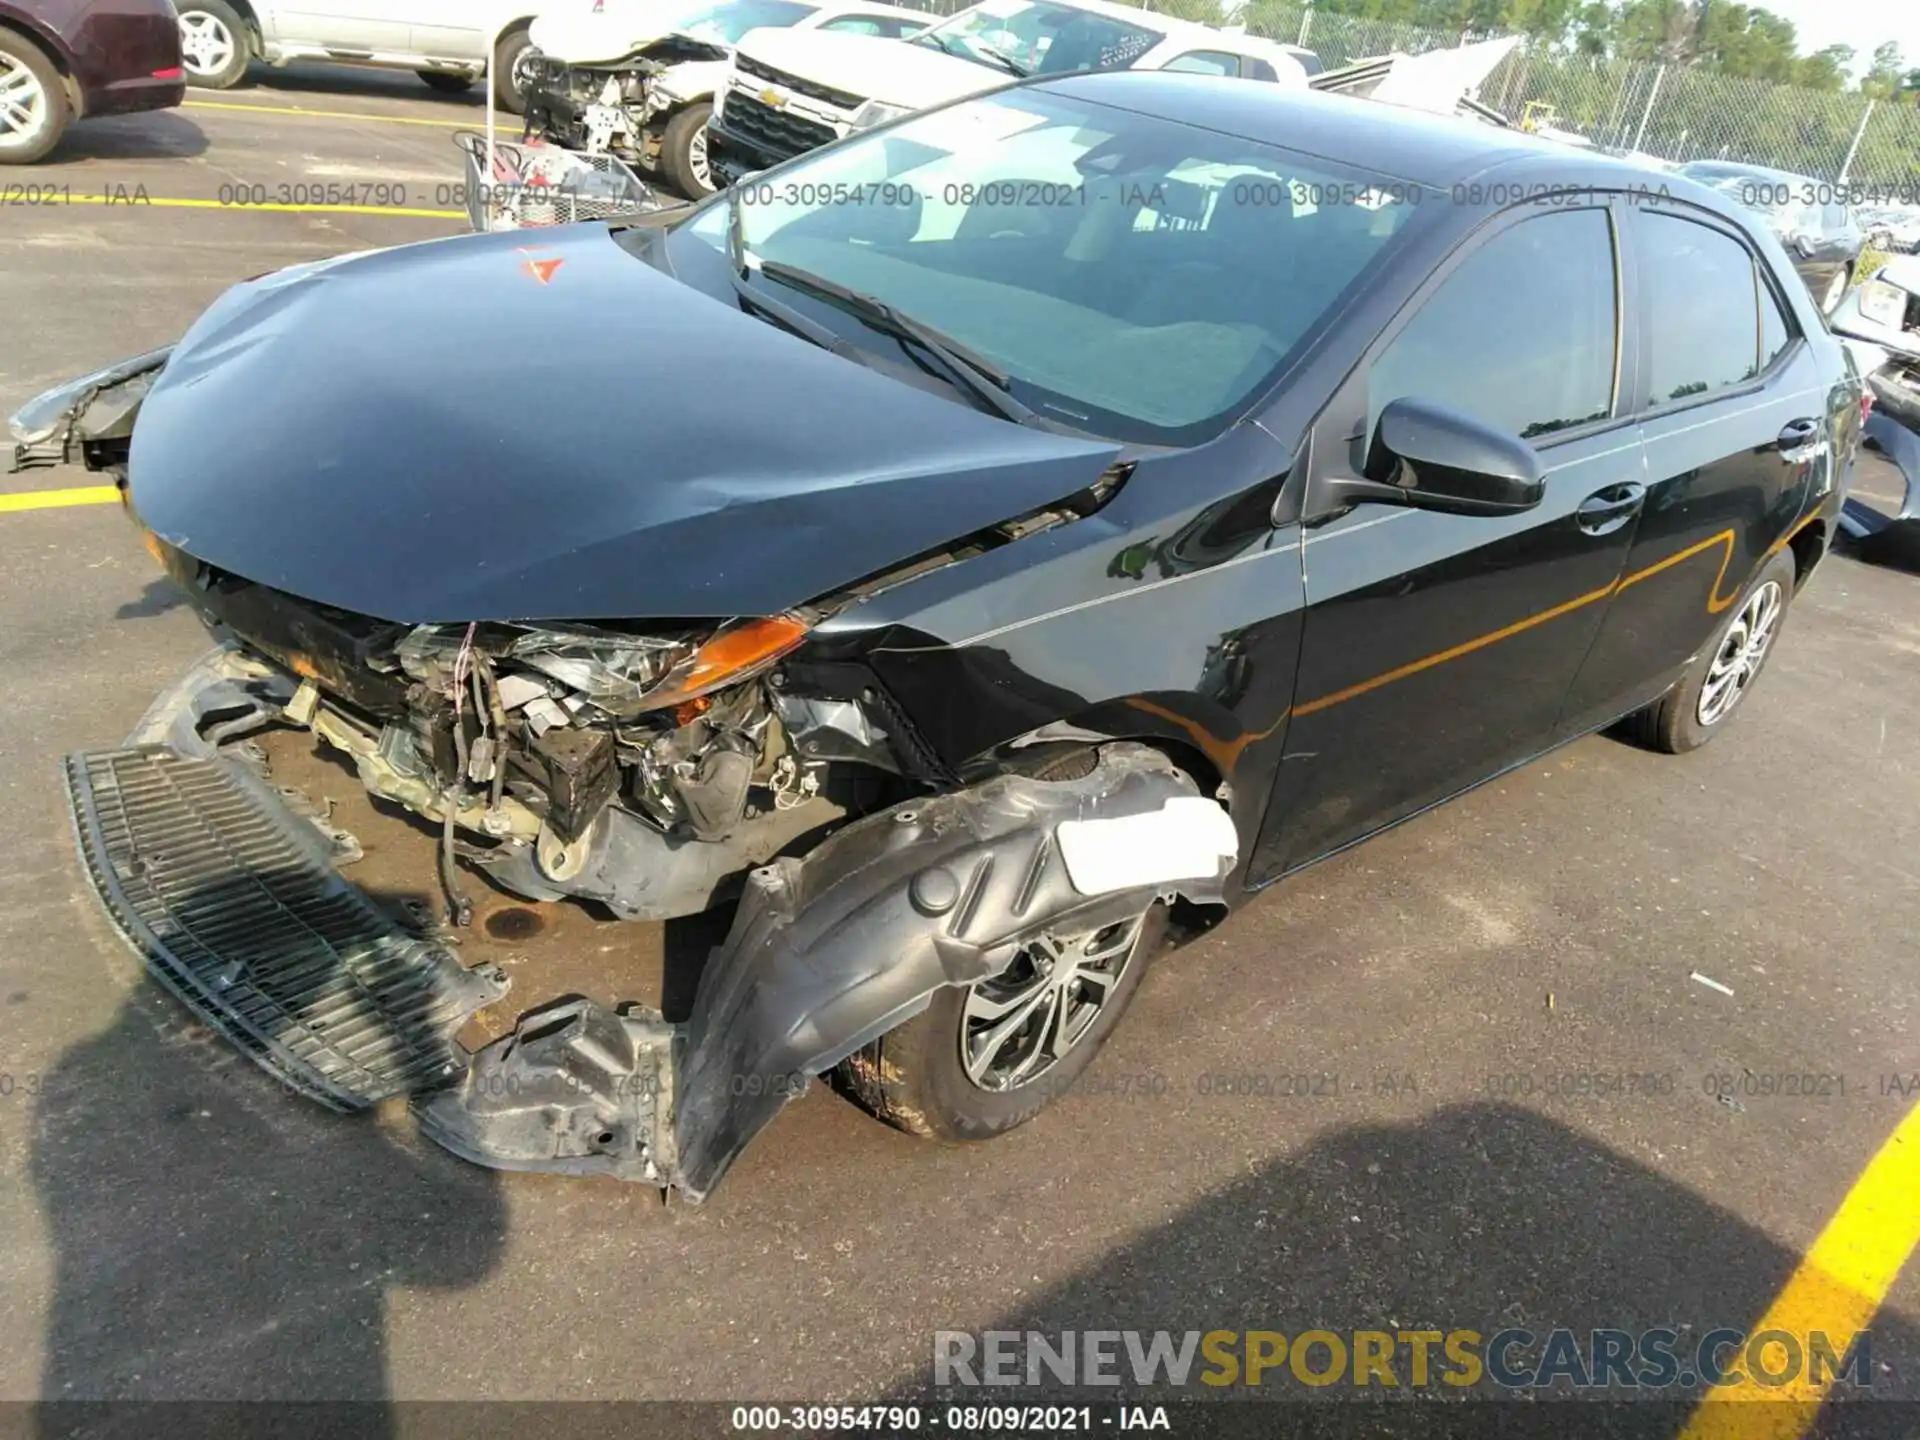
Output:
(967, 654)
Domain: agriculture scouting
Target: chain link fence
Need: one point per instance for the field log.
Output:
(1672, 113)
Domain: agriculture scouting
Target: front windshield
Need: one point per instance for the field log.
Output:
(1036, 37)
(1133, 276)
(725, 23)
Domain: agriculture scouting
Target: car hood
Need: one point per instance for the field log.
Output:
(893, 71)
(694, 79)
(520, 426)
(587, 34)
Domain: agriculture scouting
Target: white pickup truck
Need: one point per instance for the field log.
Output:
(446, 42)
(791, 91)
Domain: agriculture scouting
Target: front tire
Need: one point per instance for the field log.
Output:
(508, 93)
(987, 1057)
(683, 152)
(215, 44)
(1715, 686)
(34, 113)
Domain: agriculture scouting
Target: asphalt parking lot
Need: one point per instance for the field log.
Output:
(180, 1229)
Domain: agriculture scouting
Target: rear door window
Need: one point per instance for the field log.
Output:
(1703, 325)
(1522, 335)
(1204, 62)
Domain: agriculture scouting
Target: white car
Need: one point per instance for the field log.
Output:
(793, 90)
(637, 78)
(446, 42)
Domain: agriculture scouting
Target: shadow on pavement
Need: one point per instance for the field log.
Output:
(154, 134)
(1479, 1217)
(159, 597)
(217, 1238)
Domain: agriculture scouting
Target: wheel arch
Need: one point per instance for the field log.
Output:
(48, 44)
(1808, 546)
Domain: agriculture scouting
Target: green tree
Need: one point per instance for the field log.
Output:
(1887, 75)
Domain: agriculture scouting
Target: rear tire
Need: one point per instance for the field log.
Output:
(445, 82)
(507, 94)
(216, 44)
(1688, 715)
(683, 152)
(34, 112)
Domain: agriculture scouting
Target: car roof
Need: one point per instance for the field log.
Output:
(1439, 151)
(1740, 167)
(1169, 25)
(871, 7)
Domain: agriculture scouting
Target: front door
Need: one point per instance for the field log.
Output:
(1438, 649)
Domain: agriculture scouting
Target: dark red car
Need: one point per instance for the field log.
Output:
(67, 60)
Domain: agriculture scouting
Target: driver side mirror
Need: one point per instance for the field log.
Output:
(1430, 456)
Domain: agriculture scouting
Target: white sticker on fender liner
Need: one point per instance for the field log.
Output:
(1184, 839)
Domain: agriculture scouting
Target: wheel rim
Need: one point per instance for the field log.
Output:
(23, 101)
(1018, 1025)
(206, 44)
(1743, 649)
(697, 159)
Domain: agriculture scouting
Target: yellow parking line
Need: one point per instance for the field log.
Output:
(1837, 1288)
(305, 113)
(55, 499)
(169, 202)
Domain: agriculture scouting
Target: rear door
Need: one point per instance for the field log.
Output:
(1438, 649)
(1734, 406)
(348, 27)
(449, 29)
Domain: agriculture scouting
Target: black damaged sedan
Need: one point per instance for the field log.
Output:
(986, 548)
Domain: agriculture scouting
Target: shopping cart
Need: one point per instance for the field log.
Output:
(515, 185)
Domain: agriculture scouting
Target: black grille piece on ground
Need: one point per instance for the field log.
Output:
(233, 903)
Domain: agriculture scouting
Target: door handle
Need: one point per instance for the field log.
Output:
(1605, 511)
(1798, 433)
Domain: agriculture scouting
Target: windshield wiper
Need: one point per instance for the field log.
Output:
(1005, 61)
(963, 51)
(783, 315)
(969, 371)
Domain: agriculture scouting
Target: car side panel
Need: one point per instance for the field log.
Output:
(1175, 624)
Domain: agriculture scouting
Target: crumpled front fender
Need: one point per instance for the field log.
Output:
(89, 418)
(825, 955)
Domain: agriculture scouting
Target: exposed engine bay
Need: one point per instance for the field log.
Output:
(639, 770)
(617, 106)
